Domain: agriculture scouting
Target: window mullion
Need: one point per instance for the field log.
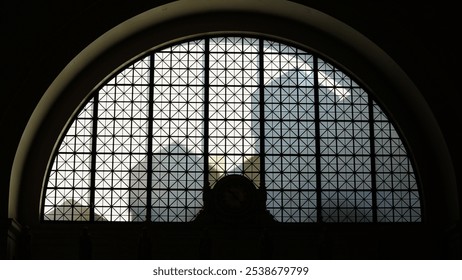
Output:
(206, 112)
(150, 155)
(261, 85)
(373, 159)
(94, 141)
(317, 140)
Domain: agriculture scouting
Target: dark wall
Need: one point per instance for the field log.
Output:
(41, 37)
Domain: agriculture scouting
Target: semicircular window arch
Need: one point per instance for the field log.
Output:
(153, 136)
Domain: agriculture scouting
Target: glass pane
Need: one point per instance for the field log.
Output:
(162, 128)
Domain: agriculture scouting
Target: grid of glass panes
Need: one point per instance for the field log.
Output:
(397, 192)
(345, 150)
(234, 127)
(121, 145)
(290, 175)
(185, 116)
(67, 194)
(178, 132)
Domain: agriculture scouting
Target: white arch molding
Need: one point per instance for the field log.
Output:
(286, 21)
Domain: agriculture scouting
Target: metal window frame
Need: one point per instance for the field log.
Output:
(371, 122)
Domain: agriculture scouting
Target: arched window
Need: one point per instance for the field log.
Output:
(147, 142)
